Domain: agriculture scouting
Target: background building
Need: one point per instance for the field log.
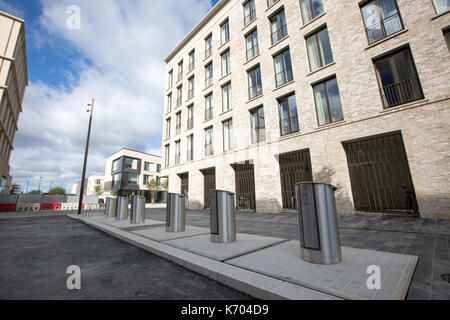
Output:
(93, 181)
(13, 80)
(264, 94)
(128, 171)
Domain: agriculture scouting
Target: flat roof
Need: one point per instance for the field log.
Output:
(150, 154)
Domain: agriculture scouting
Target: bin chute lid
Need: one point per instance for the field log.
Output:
(313, 182)
(222, 191)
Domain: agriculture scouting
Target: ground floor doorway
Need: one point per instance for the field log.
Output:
(245, 186)
(209, 183)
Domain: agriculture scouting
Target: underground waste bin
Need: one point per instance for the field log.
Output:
(111, 207)
(137, 210)
(122, 208)
(175, 214)
(223, 216)
(319, 234)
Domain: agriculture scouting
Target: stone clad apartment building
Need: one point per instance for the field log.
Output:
(264, 94)
(13, 81)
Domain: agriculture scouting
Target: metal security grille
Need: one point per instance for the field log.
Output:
(209, 182)
(294, 167)
(245, 186)
(380, 175)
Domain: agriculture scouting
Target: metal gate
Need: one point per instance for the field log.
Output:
(294, 167)
(380, 175)
(245, 186)
(209, 183)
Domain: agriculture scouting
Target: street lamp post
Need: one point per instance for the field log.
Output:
(83, 177)
(40, 178)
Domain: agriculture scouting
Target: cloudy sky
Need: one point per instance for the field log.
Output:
(116, 57)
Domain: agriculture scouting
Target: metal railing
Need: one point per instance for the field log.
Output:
(179, 101)
(208, 81)
(180, 76)
(384, 28)
(258, 135)
(208, 52)
(191, 66)
(252, 52)
(190, 93)
(401, 92)
(208, 150)
(283, 77)
(178, 129)
(279, 34)
(208, 113)
(254, 91)
(286, 125)
(250, 17)
(190, 123)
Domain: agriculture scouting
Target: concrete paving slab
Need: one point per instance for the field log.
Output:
(346, 280)
(160, 234)
(124, 224)
(202, 245)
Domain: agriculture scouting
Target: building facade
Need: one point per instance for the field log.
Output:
(263, 94)
(91, 185)
(13, 80)
(128, 171)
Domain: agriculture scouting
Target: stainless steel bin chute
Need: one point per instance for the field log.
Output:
(223, 216)
(111, 207)
(122, 208)
(175, 214)
(319, 234)
(137, 210)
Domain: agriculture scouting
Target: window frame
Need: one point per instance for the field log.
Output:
(276, 16)
(229, 123)
(190, 119)
(191, 87)
(280, 100)
(435, 9)
(209, 80)
(211, 144)
(252, 13)
(255, 45)
(229, 97)
(209, 111)
(258, 128)
(190, 147)
(315, 34)
(168, 129)
(254, 68)
(285, 70)
(227, 55)
(324, 82)
(313, 14)
(191, 61)
(227, 32)
(208, 49)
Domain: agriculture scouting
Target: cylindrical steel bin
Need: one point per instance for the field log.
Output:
(137, 210)
(175, 214)
(223, 217)
(319, 234)
(122, 208)
(111, 207)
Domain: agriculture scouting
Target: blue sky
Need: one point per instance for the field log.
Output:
(116, 57)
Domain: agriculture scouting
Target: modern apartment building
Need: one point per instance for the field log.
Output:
(128, 171)
(13, 80)
(91, 184)
(353, 93)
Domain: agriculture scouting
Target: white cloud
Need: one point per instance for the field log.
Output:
(121, 46)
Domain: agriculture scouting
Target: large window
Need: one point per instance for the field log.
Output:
(116, 165)
(179, 96)
(441, 5)
(158, 168)
(190, 121)
(249, 12)
(208, 75)
(258, 125)
(254, 82)
(252, 44)
(180, 70)
(288, 115)
(147, 166)
(311, 9)
(116, 179)
(191, 88)
(177, 152)
(209, 141)
(227, 135)
(328, 102)
(178, 123)
(170, 80)
(447, 38)
(208, 46)
(319, 49)
(225, 32)
(208, 107)
(190, 148)
(192, 60)
(169, 102)
(397, 78)
(226, 97)
(278, 27)
(226, 63)
(271, 2)
(167, 155)
(146, 179)
(133, 178)
(283, 68)
(167, 128)
(131, 163)
(381, 18)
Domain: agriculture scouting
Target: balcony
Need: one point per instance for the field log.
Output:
(283, 77)
(279, 34)
(208, 114)
(254, 91)
(250, 17)
(252, 52)
(402, 92)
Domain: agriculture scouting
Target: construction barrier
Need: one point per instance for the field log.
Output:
(8, 207)
(28, 207)
(50, 206)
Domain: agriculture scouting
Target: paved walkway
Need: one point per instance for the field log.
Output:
(427, 238)
(37, 248)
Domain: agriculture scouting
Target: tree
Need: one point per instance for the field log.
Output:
(98, 190)
(57, 190)
(114, 193)
(35, 192)
(153, 186)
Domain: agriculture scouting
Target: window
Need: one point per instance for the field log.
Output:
(177, 152)
(158, 168)
(249, 12)
(258, 125)
(147, 166)
(208, 75)
(319, 50)
(381, 19)
(170, 79)
(278, 27)
(252, 44)
(169, 102)
(226, 97)
(208, 107)
(190, 121)
(208, 46)
(271, 2)
(288, 115)
(98, 181)
(146, 179)
(328, 102)
(209, 141)
(191, 88)
(180, 95)
(190, 148)
(166, 155)
(131, 163)
(283, 68)
(180, 70)
(397, 78)
(441, 6)
(167, 128)
(225, 32)
(226, 66)
(178, 123)
(254, 82)
(116, 165)
(192, 60)
(447, 38)
(116, 179)
(311, 9)
(227, 134)
(133, 178)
